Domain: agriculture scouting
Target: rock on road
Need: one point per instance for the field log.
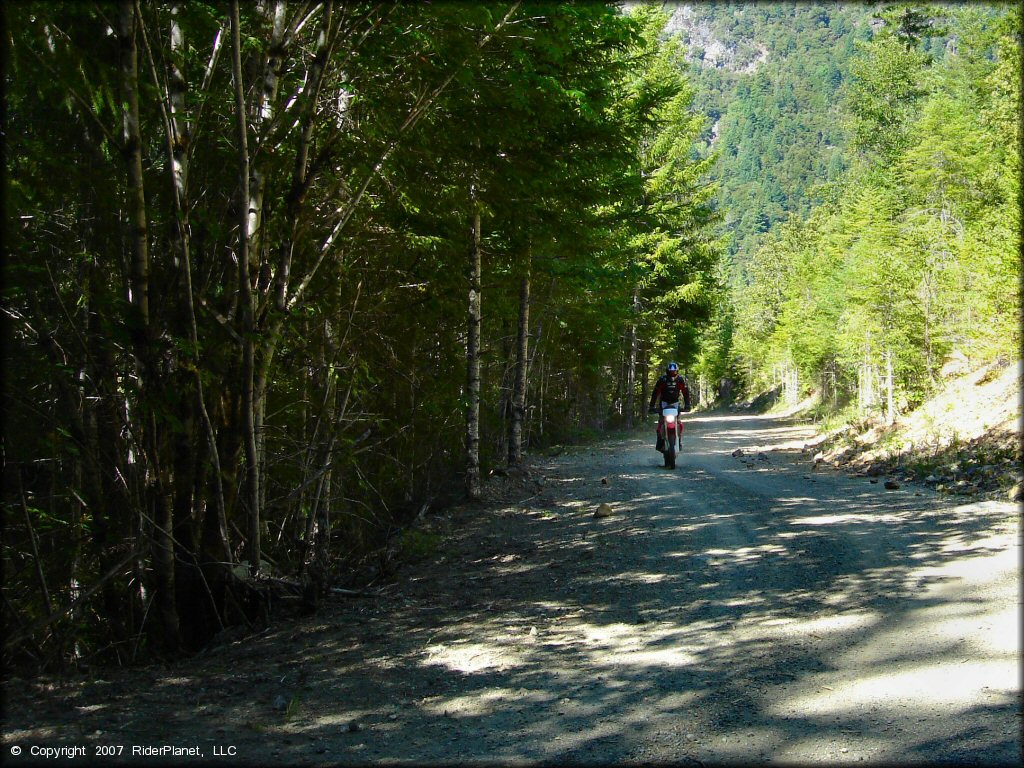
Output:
(739, 609)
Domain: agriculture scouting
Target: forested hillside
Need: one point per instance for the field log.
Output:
(874, 223)
(769, 77)
(283, 275)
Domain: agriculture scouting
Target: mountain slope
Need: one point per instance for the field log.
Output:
(770, 77)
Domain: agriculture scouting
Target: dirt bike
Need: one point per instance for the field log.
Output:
(670, 433)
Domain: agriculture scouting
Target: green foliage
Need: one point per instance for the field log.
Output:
(910, 24)
(608, 163)
(770, 91)
(913, 253)
(670, 236)
(884, 94)
(568, 126)
(417, 545)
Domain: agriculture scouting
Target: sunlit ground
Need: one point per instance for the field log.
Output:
(950, 649)
(750, 622)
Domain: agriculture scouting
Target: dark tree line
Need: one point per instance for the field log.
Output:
(281, 274)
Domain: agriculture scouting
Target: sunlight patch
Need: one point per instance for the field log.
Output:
(841, 622)
(985, 568)
(472, 657)
(481, 703)
(342, 718)
(573, 504)
(746, 601)
(619, 645)
(664, 657)
(638, 577)
(999, 542)
(927, 686)
(794, 501)
(1003, 635)
(727, 557)
(850, 517)
(608, 633)
(635, 476)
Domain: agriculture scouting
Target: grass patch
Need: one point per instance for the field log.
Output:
(417, 545)
(831, 420)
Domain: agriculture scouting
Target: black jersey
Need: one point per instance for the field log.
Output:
(670, 389)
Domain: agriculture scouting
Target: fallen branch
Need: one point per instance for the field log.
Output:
(357, 592)
(332, 590)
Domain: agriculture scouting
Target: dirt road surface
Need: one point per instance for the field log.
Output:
(739, 609)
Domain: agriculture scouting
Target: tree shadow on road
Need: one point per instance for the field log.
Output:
(704, 621)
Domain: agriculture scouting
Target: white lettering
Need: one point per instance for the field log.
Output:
(56, 753)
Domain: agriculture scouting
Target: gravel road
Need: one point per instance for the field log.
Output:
(741, 609)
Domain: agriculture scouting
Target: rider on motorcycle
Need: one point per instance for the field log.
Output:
(667, 391)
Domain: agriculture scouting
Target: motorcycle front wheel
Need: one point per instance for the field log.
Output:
(670, 457)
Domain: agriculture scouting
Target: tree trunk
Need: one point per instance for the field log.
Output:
(157, 491)
(252, 494)
(263, 111)
(136, 197)
(258, 361)
(320, 449)
(212, 521)
(515, 440)
(300, 174)
(473, 359)
(645, 377)
(631, 368)
(889, 399)
(213, 539)
(929, 350)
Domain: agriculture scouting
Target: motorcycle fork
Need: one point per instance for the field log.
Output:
(663, 432)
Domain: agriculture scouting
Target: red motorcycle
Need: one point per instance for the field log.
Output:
(670, 433)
